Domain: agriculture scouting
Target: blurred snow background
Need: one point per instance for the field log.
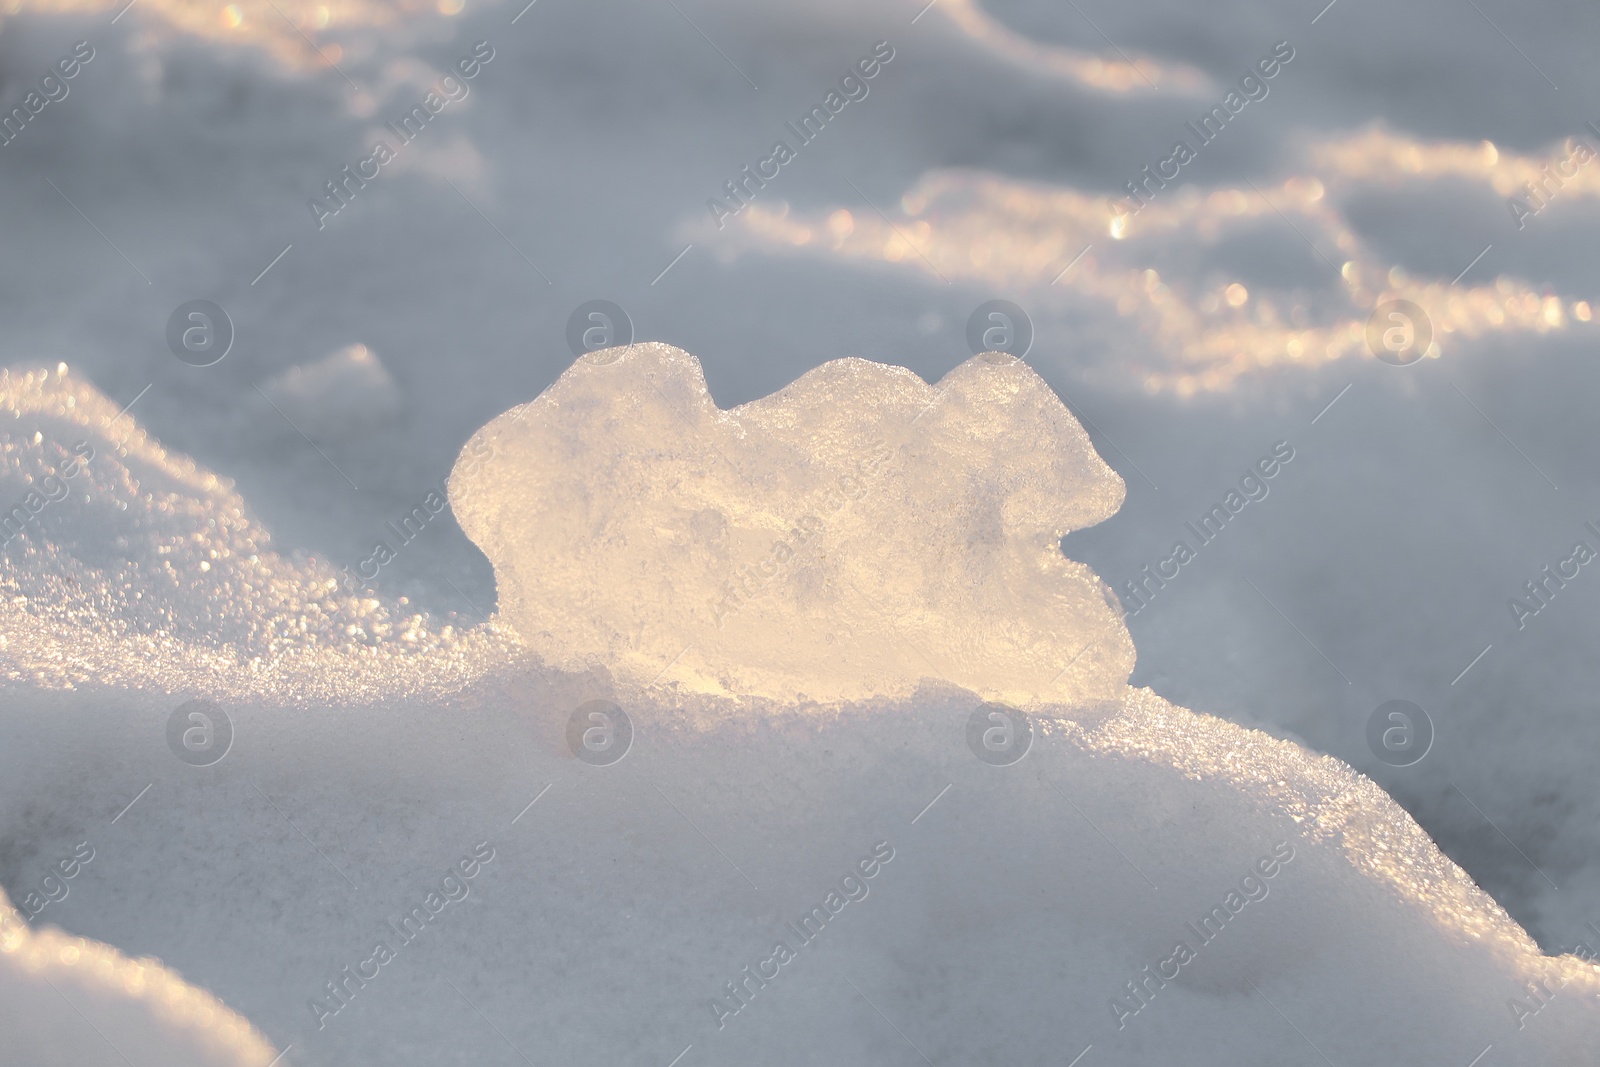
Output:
(179, 165)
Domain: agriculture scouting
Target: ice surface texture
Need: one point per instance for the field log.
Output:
(847, 537)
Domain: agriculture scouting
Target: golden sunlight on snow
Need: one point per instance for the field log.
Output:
(1065, 250)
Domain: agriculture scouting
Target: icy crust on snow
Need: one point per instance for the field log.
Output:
(1332, 803)
(256, 24)
(148, 1014)
(850, 536)
(117, 554)
(1103, 74)
(1196, 330)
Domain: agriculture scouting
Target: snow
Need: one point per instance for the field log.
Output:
(349, 393)
(1066, 858)
(394, 722)
(139, 1012)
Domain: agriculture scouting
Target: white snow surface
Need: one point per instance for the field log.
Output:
(379, 714)
(348, 393)
(369, 766)
(66, 999)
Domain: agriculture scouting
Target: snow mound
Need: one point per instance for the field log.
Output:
(121, 559)
(144, 1015)
(850, 536)
(1104, 872)
(346, 394)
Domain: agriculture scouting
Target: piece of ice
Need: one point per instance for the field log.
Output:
(848, 537)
